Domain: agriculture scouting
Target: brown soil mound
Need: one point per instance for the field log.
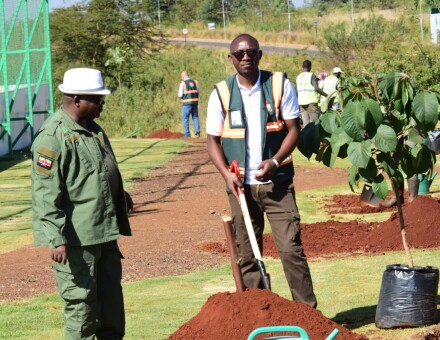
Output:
(214, 247)
(164, 133)
(351, 204)
(332, 237)
(236, 315)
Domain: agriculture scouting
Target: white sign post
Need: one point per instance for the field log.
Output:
(315, 23)
(185, 32)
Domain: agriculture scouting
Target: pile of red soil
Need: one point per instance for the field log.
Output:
(351, 204)
(421, 218)
(235, 315)
(164, 133)
(214, 247)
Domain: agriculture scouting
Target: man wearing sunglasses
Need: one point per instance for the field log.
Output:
(253, 117)
(80, 209)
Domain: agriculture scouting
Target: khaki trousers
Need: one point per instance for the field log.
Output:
(90, 285)
(277, 201)
(309, 113)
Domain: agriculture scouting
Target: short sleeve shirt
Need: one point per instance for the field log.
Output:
(252, 103)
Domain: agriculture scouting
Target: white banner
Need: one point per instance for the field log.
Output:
(435, 24)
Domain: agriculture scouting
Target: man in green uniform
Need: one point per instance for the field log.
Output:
(80, 209)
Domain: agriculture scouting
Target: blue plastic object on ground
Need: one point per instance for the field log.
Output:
(294, 329)
(425, 183)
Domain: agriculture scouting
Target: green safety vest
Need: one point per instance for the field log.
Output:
(273, 129)
(190, 92)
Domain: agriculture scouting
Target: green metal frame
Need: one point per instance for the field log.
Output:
(24, 76)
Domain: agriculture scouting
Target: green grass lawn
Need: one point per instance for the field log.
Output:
(136, 157)
(347, 288)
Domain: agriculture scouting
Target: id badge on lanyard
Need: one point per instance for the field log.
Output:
(236, 120)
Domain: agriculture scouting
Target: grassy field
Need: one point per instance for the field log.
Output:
(347, 291)
(135, 157)
(347, 288)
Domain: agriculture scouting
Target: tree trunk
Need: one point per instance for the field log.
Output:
(402, 223)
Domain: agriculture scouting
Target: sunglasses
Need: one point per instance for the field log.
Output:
(251, 53)
(100, 100)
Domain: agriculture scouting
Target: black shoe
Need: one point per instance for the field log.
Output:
(198, 134)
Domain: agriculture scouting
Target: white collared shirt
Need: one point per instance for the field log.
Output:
(252, 103)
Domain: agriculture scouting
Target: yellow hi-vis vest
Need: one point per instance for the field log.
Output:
(273, 128)
(330, 86)
(306, 91)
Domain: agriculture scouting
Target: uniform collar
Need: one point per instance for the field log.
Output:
(72, 125)
(256, 85)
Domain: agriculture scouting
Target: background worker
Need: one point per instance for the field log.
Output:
(189, 92)
(238, 125)
(80, 209)
(331, 84)
(308, 91)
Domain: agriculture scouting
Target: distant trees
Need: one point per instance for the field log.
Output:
(109, 34)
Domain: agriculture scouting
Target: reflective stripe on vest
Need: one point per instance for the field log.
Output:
(190, 92)
(233, 139)
(306, 91)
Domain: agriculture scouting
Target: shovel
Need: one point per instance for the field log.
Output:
(250, 229)
(368, 196)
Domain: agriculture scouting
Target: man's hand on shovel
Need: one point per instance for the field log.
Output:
(249, 227)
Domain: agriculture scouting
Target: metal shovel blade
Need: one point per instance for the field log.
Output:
(368, 196)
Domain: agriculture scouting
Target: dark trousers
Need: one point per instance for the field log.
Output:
(279, 204)
(90, 285)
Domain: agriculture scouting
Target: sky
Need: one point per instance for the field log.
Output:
(65, 3)
(61, 3)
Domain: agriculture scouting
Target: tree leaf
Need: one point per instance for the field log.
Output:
(309, 140)
(414, 137)
(380, 187)
(385, 139)
(353, 120)
(327, 158)
(389, 83)
(388, 163)
(359, 153)
(407, 165)
(369, 173)
(330, 121)
(353, 177)
(339, 137)
(373, 114)
(425, 160)
(425, 109)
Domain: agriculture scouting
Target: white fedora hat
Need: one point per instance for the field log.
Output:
(337, 70)
(83, 81)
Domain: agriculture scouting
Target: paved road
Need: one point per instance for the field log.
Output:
(277, 48)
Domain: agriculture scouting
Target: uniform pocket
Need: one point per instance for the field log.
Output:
(76, 279)
(85, 156)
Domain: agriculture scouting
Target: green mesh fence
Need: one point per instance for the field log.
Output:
(25, 72)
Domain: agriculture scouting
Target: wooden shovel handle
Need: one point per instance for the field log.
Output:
(236, 271)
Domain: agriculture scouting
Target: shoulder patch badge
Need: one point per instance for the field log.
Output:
(44, 162)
